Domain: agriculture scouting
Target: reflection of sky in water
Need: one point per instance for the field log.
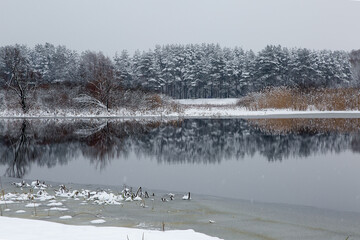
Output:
(310, 173)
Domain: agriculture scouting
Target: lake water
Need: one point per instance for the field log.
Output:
(305, 162)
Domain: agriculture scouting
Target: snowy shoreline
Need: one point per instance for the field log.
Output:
(50, 230)
(188, 108)
(43, 215)
(194, 112)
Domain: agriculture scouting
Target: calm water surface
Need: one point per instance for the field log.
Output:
(311, 162)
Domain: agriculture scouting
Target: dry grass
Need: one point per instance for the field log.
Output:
(336, 99)
(154, 101)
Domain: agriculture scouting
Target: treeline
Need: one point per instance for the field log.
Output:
(180, 71)
(210, 71)
(53, 78)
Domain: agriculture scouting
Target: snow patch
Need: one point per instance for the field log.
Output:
(54, 204)
(58, 209)
(57, 231)
(98, 221)
(30, 205)
(137, 198)
(208, 101)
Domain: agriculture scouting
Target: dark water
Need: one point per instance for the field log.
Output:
(312, 162)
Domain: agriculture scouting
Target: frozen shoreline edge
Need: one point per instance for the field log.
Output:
(60, 230)
(287, 215)
(192, 113)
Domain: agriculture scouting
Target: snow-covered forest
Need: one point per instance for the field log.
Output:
(211, 71)
(55, 75)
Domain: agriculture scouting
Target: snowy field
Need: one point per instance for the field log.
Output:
(19, 229)
(208, 101)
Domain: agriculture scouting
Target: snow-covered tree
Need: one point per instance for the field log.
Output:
(123, 71)
(272, 67)
(187, 71)
(55, 64)
(303, 67)
(18, 73)
(355, 66)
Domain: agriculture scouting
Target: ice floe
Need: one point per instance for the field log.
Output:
(54, 204)
(98, 221)
(30, 205)
(58, 209)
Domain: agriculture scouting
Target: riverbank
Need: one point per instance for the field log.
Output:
(186, 110)
(262, 105)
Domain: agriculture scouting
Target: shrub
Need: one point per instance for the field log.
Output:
(154, 101)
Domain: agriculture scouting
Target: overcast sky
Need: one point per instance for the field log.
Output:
(113, 25)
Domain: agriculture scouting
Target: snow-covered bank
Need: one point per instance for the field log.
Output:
(114, 113)
(227, 108)
(186, 108)
(237, 112)
(19, 229)
(208, 101)
(190, 112)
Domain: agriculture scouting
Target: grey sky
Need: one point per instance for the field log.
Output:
(113, 25)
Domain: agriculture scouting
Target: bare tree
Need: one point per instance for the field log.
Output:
(97, 71)
(18, 73)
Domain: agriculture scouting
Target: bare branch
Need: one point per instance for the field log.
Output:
(88, 100)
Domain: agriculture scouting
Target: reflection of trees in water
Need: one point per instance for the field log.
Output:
(319, 135)
(20, 151)
(109, 140)
(212, 141)
(49, 143)
(23, 143)
(355, 144)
